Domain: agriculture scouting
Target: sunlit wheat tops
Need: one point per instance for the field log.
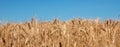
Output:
(73, 33)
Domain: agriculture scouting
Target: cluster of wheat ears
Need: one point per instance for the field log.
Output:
(72, 33)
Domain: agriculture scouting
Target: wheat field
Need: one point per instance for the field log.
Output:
(73, 33)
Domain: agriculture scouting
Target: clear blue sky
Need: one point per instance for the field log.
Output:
(23, 10)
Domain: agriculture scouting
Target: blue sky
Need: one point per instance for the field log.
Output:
(24, 10)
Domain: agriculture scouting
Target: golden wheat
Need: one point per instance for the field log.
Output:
(73, 33)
